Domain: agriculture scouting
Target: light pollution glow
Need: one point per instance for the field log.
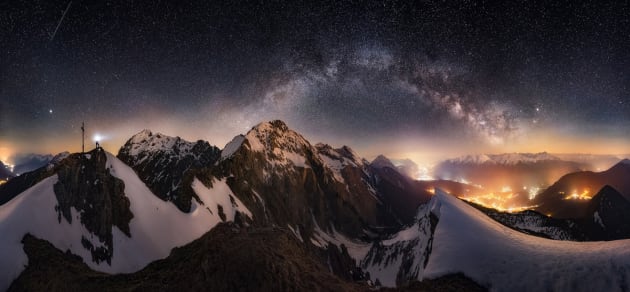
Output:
(425, 151)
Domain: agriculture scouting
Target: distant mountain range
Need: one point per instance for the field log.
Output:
(494, 171)
(504, 159)
(272, 211)
(27, 162)
(23, 163)
(519, 173)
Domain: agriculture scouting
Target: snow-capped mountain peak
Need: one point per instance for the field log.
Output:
(279, 144)
(269, 136)
(504, 159)
(147, 141)
(472, 159)
(515, 158)
(162, 162)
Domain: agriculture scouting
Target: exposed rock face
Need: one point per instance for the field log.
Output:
(286, 181)
(85, 186)
(400, 260)
(399, 192)
(354, 178)
(165, 164)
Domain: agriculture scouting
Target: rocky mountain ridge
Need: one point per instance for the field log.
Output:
(368, 224)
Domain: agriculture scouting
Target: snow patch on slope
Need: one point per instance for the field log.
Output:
(219, 194)
(356, 250)
(232, 146)
(158, 226)
(146, 142)
(598, 219)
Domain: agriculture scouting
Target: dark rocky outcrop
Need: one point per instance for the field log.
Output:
(227, 258)
(536, 224)
(609, 216)
(449, 283)
(85, 185)
(167, 164)
(399, 192)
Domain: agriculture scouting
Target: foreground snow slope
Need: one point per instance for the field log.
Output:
(157, 226)
(466, 240)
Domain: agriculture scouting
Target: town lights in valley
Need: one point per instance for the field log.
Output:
(505, 200)
(584, 195)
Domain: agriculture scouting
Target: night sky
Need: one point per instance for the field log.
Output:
(426, 80)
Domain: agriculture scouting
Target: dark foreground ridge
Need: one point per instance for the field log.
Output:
(227, 258)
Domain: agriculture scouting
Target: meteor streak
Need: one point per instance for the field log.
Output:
(52, 37)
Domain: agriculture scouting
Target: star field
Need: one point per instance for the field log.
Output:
(426, 79)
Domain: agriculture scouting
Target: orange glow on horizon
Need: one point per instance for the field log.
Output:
(5, 152)
(548, 140)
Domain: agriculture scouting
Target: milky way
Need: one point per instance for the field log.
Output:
(436, 78)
